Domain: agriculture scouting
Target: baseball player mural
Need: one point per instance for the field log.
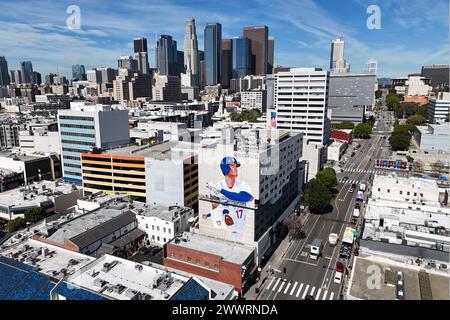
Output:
(232, 196)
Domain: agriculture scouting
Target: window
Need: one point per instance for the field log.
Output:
(401, 192)
(157, 228)
(164, 240)
(197, 261)
(379, 189)
(146, 226)
(153, 227)
(415, 194)
(388, 190)
(153, 237)
(172, 255)
(421, 194)
(169, 231)
(216, 267)
(207, 264)
(158, 238)
(164, 230)
(408, 193)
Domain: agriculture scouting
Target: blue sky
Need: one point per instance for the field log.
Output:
(413, 32)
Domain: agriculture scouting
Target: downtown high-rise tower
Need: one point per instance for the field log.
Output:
(191, 61)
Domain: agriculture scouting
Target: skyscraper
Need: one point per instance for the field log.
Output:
(36, 78)
(271, 58)
(213, 46)
(226, 63)
(259, 37)
(15, 76)
(337, 61)
(371, 66)
(127, 62)
(166, 56)
(180, 62)
(241, 58)
(78, 72)
(140, 45)
(27, 70)
(141, 54)
(4, 74)
(191, 58)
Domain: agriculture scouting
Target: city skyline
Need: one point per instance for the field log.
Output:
(404, 43)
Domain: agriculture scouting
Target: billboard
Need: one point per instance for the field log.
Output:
(228, 191)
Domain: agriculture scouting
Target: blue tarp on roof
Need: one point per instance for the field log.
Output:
(192, 290)
(19, 282)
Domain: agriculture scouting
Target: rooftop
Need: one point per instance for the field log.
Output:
(168, 213)
(53, 261)
(166, 150)
(34, 194)
(421, 184)
(230, 251)
(419, 284)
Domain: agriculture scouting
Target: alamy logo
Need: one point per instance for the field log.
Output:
(374, 280)
(374, 20)
(73, 21)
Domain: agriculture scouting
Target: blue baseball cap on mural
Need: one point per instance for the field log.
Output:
(225, 164)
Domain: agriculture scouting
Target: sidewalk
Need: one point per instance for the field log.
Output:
(274, 261)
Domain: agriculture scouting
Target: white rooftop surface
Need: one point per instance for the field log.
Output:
(15, 197)
(56, 260)
(86, 222)
(126, 274)
(158, 211)
(166, 150)
(424, 184)
(230, 251)
(376, 210)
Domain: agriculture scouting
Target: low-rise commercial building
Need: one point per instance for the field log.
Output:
(439, 108)
(336, 150)
(53, 197)
(433, 137)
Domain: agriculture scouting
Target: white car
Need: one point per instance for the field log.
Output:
(338, 277)
(333, 239)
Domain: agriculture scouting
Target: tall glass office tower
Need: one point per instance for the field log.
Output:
(242, 64)
(213, 51)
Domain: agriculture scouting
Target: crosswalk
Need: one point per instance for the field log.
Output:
(370, 171)
(298, 290)
(348, 181)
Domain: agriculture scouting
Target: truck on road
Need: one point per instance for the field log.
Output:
(348, 236)
(316, 248)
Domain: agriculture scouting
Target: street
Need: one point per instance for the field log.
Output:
(303, 275)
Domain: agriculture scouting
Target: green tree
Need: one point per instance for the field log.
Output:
(317, 196)
(345, 125)
(362, 130)
(392, 101)
(400, 141)
(34, 215)
(327, 177)
(416, 120)
(16, 224)
(378, 94)
(403, 128)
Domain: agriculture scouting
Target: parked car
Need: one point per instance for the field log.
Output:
(338, 277)
(333, 239)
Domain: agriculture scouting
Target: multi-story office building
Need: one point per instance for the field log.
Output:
(254, 100)
(371, 66)
(87, 127)
(27, 70)
(107, 75)
(9, 135)
(248, 83)
(4, 74)
(259, 37)
(36, 78)
(350, 95)
(191, 54)
(141, 54)
(301, 104)
(129, 87)
(271, 58)
(79, 72)
(226, 61)
(40, 137)
(166, 88)
(166, 173)
(242, 61)
(213, 49)
(15, 76)
(180, 63)
(438, 73)
(337, 60)
(248, 183)
(166, 56)
(128, 62)
(49, 79)
(94, 76)
(439, 108)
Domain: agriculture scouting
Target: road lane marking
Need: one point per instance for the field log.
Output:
(331, 296)
(324, 294)
(299, 289)
(305, 293)
(270, 283)
(318, 293)
(293, 288)
(276, 284)
(287, 288)
(281, 286)
(312, 291)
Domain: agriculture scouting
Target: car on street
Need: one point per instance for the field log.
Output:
(309, 297)
(333, 239)
(338, 277)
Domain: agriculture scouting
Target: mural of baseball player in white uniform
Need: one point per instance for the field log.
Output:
(230, 213)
